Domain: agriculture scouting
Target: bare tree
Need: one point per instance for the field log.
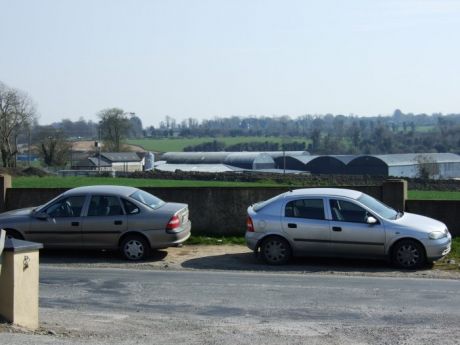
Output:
(428, 168)
(53, 146)
(114, 127)
(16, 113)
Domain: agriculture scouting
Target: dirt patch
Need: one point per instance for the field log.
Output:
(236, 258)
(88, 145)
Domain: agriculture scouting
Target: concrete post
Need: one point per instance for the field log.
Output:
(5, 183)
(394, 193)
(19, 283)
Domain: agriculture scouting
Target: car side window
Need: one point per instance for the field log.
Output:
(101, 206)
(67, 207)
(130, 207)
(305, 208)
(347, 211)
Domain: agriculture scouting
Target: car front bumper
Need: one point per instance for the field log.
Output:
(436, 249)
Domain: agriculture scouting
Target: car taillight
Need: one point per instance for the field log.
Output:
(173, 223)
(249, 225)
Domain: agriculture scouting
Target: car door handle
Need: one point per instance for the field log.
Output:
(336, 228)
(75, 223)
(292, 225)
(118, 222)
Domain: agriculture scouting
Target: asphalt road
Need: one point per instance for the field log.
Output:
(115, 306)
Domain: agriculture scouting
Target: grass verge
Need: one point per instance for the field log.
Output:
(452, 261)
(71, 182)
(433, 195)
(216, 240)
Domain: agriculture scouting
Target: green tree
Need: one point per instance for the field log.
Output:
(114, 128)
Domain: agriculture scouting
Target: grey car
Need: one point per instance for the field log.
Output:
(102, 217)
(342, 223)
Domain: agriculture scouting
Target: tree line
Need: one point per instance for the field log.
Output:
(319, 134)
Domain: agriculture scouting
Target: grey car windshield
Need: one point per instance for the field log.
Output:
(378, 207)
(147, 199)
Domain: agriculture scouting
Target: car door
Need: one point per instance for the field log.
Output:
(62, 226)
(104, 222)
(305, 223)
(351, 235)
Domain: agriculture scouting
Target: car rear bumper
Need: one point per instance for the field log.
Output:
(161, 239)
(252, 239)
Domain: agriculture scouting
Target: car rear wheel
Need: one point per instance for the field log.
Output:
(275, 251)
(135, 248)
(408, 254)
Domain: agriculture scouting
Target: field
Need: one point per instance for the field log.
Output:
(178, 144)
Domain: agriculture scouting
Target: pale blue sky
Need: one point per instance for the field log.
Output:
(207, 58)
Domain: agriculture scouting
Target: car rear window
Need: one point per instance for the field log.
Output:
(147, 199)
(260, 205)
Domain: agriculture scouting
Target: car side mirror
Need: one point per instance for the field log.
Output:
(371, 220)
(41, 215)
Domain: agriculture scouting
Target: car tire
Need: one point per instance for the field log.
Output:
(275, 250)
(408, 254)
(135, 248)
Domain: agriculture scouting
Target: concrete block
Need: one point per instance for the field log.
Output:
(19, 282)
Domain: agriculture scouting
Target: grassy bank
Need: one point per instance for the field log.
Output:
(71, 182)
(454, 255)
(433, 195)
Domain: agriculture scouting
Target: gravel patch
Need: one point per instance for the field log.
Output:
(238, 258)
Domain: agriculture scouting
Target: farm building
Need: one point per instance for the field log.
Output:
(194, 157)
(210, 168)
(111, 161)
(243, 160)
(317, 164)
(250, 160)
(433, 165)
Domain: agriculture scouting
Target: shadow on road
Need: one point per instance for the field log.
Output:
(48, 256)
(248, 261)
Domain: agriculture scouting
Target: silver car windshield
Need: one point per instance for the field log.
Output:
(378, 207)
(147, 199)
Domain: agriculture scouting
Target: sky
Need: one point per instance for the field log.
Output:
(218, 58)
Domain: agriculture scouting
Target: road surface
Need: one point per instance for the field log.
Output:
(117, 306)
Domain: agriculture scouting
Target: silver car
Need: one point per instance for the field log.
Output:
(102, 217)
(342, 223)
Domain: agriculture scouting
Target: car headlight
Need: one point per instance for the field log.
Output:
(436, 235)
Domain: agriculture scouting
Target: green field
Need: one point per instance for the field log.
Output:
(71, 182)
(178, 144)
(433, 195)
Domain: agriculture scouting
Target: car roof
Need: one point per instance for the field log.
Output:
(102, 189)
(348, 193)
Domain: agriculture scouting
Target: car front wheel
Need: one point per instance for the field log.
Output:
(275, 251)
(135, 248)
(408, 254)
